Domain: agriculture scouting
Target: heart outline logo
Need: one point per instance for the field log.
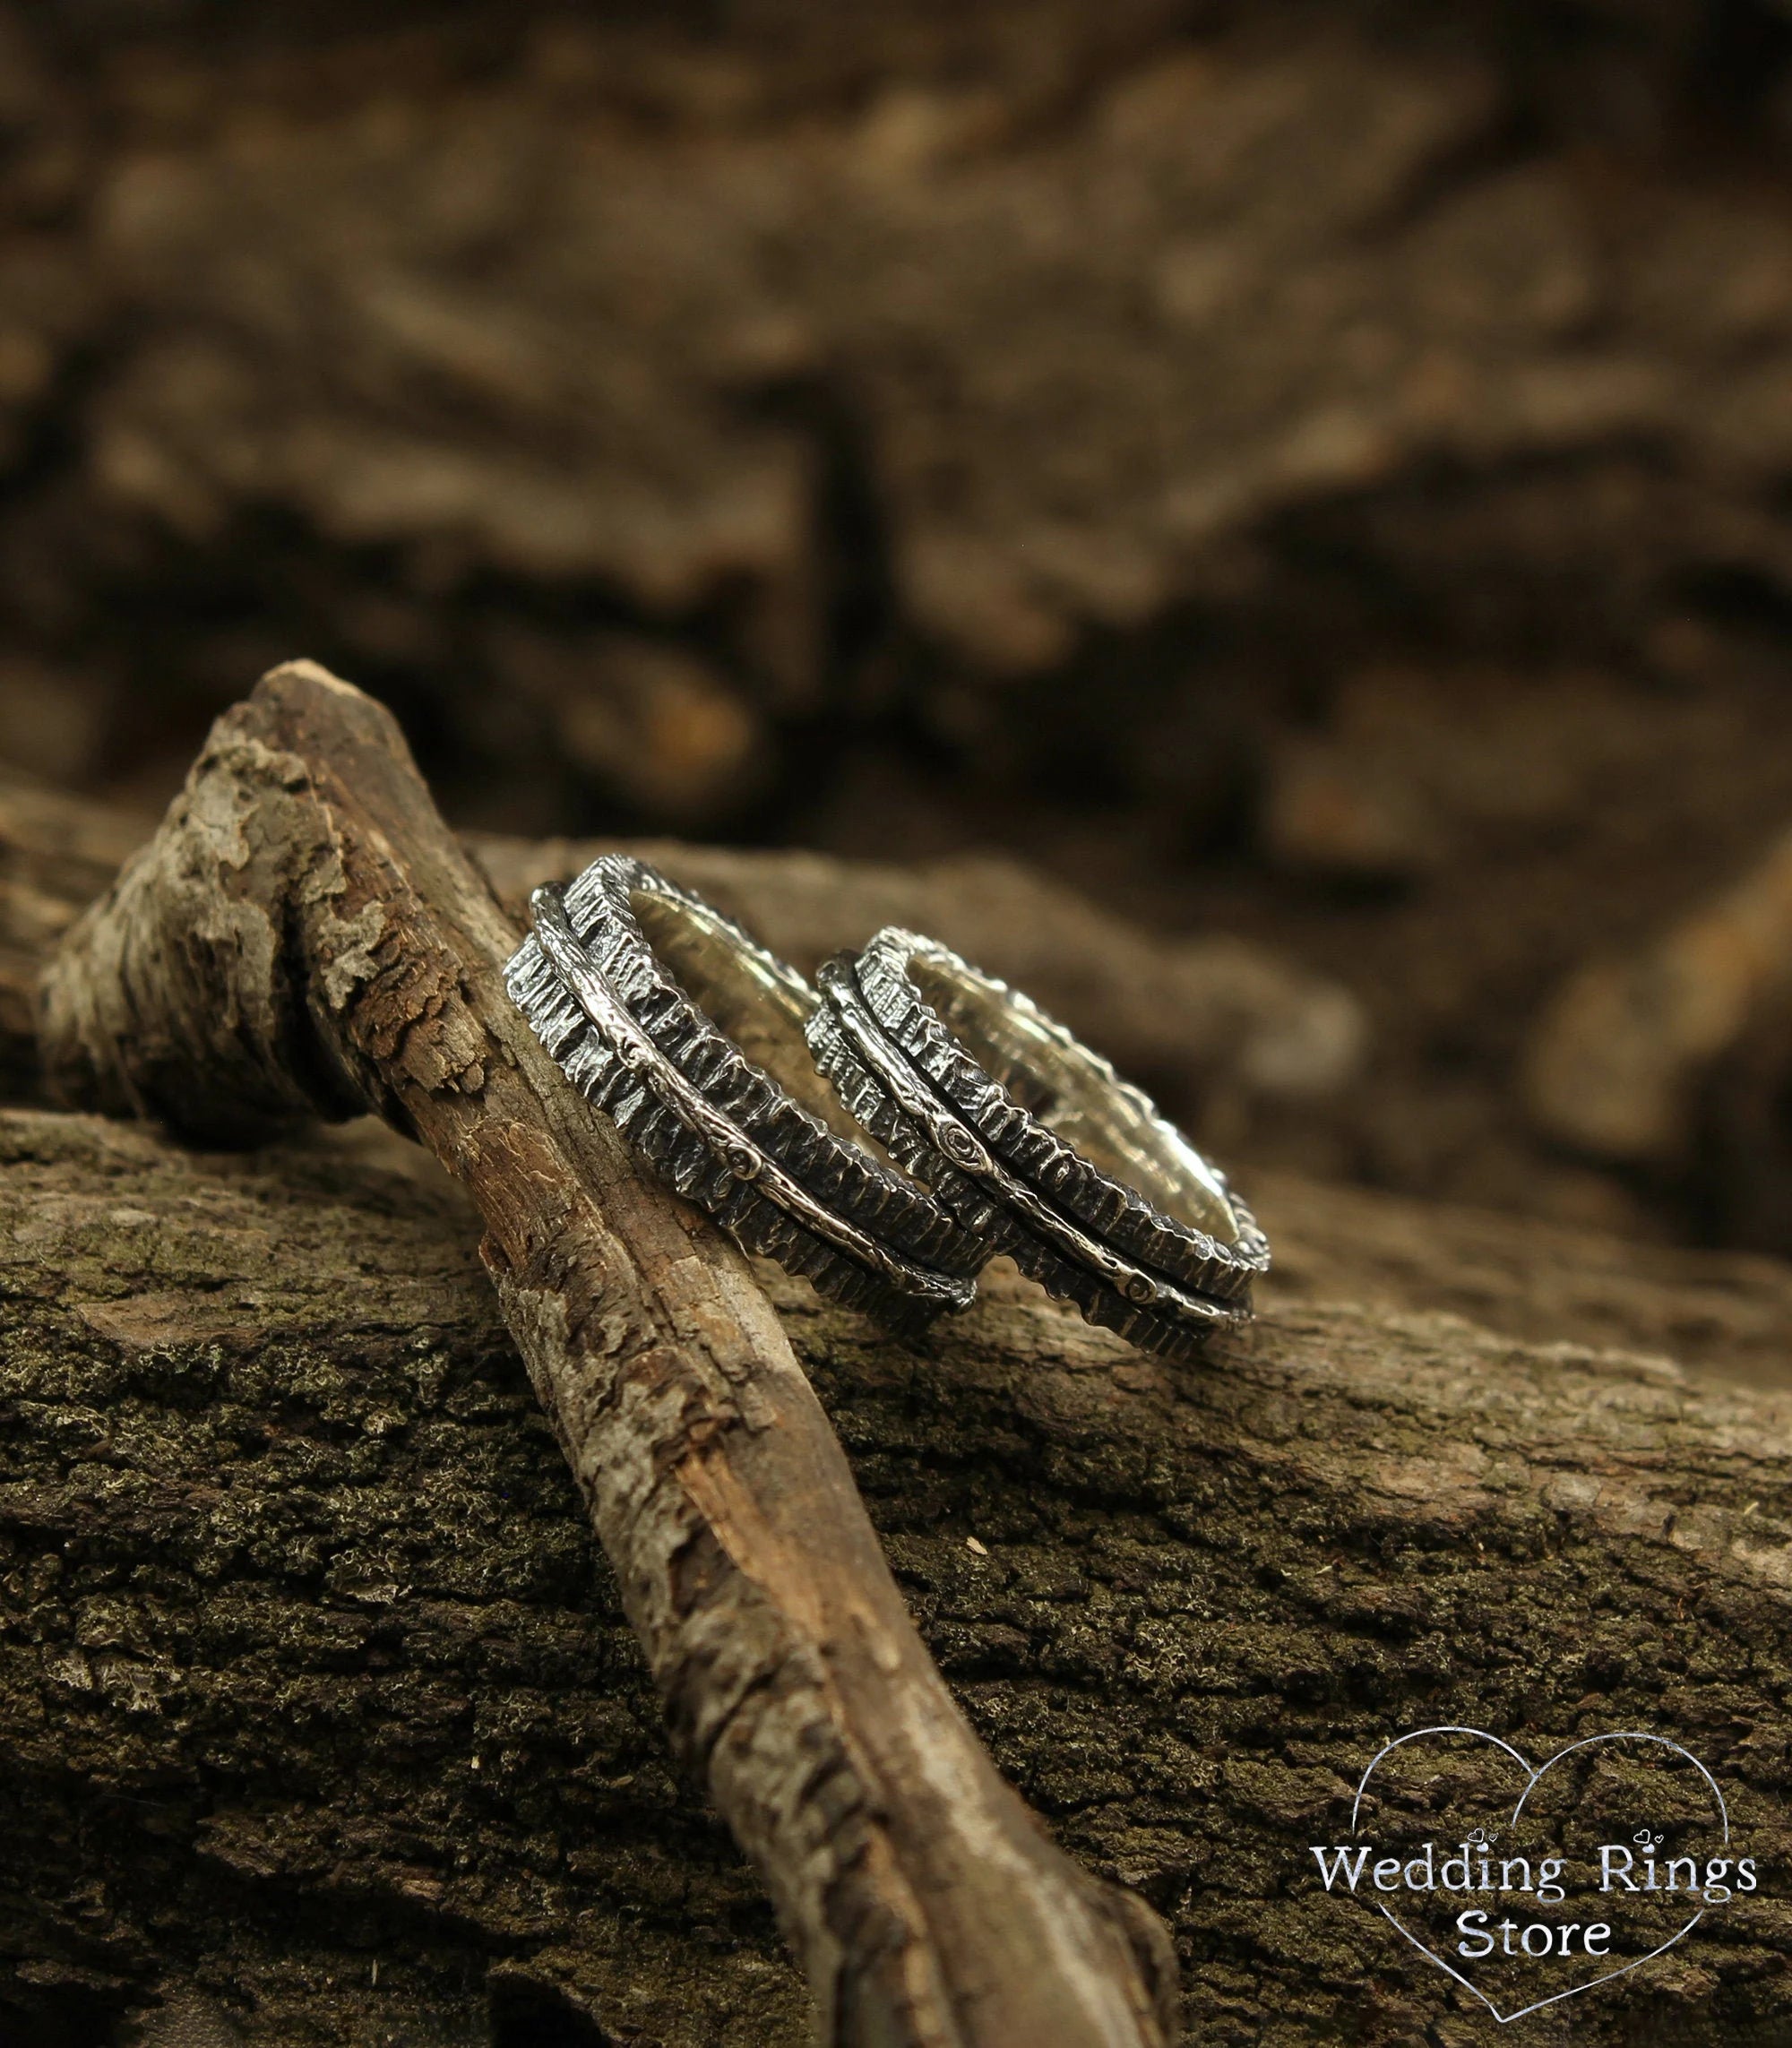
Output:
(1533, 1775)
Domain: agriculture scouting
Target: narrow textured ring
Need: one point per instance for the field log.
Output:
(730, 1136)
(1051, 1158)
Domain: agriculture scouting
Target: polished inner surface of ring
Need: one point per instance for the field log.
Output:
(745, 994)
(704, 955)
(1074, 1093)
(712, 1126)
(916, 1099)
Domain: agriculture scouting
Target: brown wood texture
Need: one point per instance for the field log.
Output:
(1371, 537)
(320, 1716)
(56, 854)
(321, 1719)
(304, 937)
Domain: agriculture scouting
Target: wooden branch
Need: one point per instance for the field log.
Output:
(305, 937)
(309, 1662)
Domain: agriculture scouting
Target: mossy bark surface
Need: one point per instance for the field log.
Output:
(321, 1720)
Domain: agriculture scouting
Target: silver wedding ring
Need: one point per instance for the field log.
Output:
(1035, 1143)
(642, 992)
(1014, 1138)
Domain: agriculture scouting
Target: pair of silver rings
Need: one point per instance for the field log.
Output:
(752, 1094)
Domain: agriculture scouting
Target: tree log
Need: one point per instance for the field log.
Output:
(321, 1718)
(304, 937)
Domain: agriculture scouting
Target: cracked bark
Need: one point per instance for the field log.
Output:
(304, 937)
(310, 1662)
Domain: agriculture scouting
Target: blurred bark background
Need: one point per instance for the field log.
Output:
(1316, 472)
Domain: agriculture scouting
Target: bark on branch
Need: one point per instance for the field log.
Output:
(304, 937)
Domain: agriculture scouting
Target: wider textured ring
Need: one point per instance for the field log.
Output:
(1035, 1143)
(643, 992)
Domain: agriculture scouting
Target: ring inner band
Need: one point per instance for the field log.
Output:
(746, 997)
(915, 1096)
(1076, 1095)
(591, 989)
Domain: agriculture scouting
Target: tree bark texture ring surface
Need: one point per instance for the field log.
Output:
(596, 978)
(1035, 1143)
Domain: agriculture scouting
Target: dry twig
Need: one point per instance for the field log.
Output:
(305, 937)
